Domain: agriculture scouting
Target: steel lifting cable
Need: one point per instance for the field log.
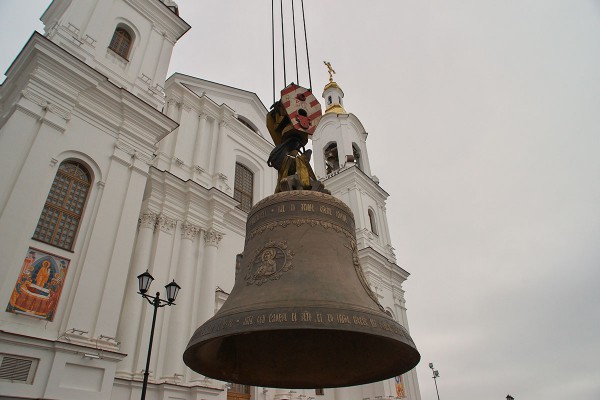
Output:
(273, 43)
(295, 47)
(306, 45)
(283, 44)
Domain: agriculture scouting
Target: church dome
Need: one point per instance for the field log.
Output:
(333, 94)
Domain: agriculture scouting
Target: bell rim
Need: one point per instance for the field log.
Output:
(411, 357)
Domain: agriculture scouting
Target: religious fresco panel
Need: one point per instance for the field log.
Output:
(400, 387)
(39, 285)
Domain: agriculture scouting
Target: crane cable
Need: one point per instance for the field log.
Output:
(295, 47)
(306, 45)
(273, 43)
(283, 44)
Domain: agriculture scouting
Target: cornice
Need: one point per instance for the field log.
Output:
(335, 118)
(40, 72)
(165, 20)
(189, 201)
(178, 92)
(67, 345)
(224, 90)
(245, 136)
(130, 150)
(355, 174)
(384, 265)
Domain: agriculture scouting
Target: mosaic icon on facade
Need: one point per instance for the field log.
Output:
(39, 285)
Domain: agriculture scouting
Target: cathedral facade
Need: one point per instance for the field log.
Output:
(109, 170)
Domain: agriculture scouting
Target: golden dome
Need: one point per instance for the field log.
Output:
(335, 106)
(332, 84)
(336, 109)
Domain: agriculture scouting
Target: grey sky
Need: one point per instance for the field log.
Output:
(484, 127)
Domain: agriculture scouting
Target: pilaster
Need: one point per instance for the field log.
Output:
(115, 287)
(180, 314)
(159, 268)
(132, 311)
(199, 164)
(212, 238)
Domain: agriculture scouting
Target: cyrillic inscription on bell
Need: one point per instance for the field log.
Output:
(301, 313)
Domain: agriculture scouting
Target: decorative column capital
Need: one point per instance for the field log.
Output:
(165, 224)
(212, 237)
(189, 231)
(147, 220)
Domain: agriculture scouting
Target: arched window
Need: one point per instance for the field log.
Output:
(372, 221)
(356, 155)
(332, 161)
(64, 206)
(243, 186)
(329, 101)
(247, 123)
(121, 42)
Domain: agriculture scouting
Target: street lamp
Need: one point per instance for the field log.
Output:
(509, 397)
(436, 375)
(144, 281)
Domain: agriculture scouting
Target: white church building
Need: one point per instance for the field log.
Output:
(108, 170)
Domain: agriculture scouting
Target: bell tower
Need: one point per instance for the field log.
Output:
(340, 140)
(129, 41)
(342, 163)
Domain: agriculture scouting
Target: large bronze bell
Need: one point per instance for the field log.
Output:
(301, 313)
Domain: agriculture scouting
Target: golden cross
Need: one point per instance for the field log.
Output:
(330, 70)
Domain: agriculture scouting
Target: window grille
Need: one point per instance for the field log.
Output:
(17, 369)
(64, 206)
(243, 186)
(121, 42)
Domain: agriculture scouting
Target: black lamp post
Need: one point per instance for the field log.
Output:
(436, 375)
(144, 281)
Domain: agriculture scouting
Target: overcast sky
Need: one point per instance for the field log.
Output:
(484, 127)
